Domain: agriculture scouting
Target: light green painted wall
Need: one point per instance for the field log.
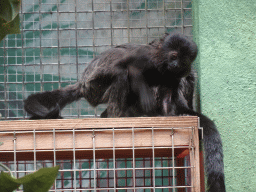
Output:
(226, 35)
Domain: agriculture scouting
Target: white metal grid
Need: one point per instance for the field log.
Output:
(59, 37)
(105, 159)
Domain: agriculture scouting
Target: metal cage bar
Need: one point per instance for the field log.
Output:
(59, 38)
(122, 154)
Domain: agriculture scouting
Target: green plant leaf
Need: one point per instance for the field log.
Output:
(6, 10)
(40, 181)
(7, 183)
(15, 7)
(9, 9)
(12, 27)
(9, 17)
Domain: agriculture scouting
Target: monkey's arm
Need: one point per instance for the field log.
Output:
(130, 70)
(141, 88)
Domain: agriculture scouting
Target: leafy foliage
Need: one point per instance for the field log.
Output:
(39, 181)
(9, 17)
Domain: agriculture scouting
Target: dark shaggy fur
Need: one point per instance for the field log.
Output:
(141, 80)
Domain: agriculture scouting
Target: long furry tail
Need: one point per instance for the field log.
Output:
(213, 152)
(47, 105)
(213, 155)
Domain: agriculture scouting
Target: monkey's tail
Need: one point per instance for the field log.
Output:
(47, 105)
(213, 155)
(213, 152)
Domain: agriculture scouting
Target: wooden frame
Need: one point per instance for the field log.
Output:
(22, 138)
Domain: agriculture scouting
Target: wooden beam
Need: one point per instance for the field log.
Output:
(174, 121)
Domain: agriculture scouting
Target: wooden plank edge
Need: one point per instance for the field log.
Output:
(171, 121)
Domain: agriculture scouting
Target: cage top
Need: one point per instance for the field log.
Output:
(174, 121)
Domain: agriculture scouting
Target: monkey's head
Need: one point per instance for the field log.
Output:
(179, 52)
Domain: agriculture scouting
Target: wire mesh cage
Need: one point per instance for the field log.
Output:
(59, 37)
(115, 154)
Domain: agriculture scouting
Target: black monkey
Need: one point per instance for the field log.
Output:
(153, 72)
(170, 89)
(138, 80)
(136, 67)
